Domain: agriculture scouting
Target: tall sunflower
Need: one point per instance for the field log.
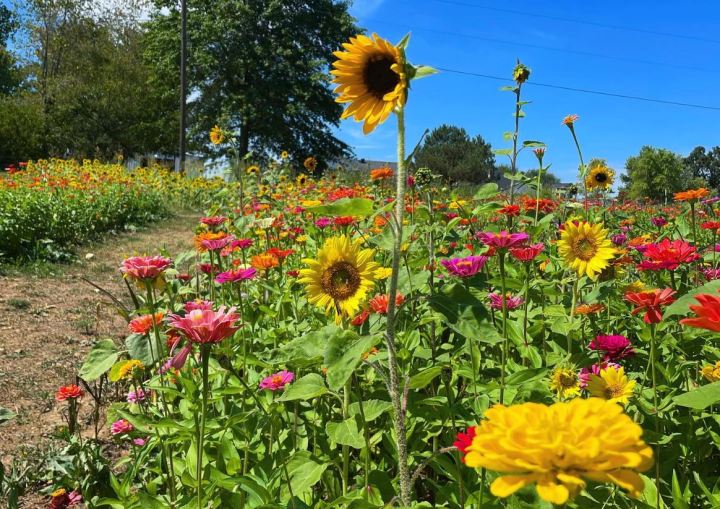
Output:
(599, 177)
(339, 279)
(585, 247)
(371, 76)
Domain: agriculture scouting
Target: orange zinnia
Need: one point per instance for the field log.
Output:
(264, 261)
(381, 173)
(587, 309)
(198, 240)
(708, 313)
(143, 324)
(692, 194)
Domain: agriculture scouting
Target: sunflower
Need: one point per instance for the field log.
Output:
(370, 75)
(565, 382)
(217, 136)
(253, 169)
(340, 277)
(612, 384)
(284, 155)
(585, 248)
(310, 164)
(599, 177)
(301, 179)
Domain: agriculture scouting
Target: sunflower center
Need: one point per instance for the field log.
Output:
(584, 248)
(567, 380)
(601, 177)
(613, 391)
(378, 76)
(341, 280)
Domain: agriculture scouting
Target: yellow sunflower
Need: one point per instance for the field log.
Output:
(310, 164)
(301, 179)
(565, 382)
(599, 177)
(612, 384)
(711, 372)
(253, 169)
(216, 135)
(585, 248)
(340, 277)
(370, 75)
(284, 155)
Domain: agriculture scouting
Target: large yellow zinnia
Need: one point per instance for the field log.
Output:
(585, 247)
(339, 279)
(559, 447)
(370, 75)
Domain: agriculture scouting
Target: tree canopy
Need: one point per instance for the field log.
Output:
(705, 164)
(656, 173)
(451, 152)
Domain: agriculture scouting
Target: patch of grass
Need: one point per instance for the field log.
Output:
(19, 303)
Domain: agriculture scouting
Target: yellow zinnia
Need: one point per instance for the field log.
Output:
(585, 248)
(711, 372)
(339, 279)
(370, 75)
(559, 447)
(565, 382)
(612, 384)
(128, 369)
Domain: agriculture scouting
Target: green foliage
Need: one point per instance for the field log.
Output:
(656, 173)
(259, 69)
(704, 164)
(450, 152)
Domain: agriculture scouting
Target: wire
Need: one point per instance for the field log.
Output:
(579, 21)
(583, 90)
(538, 46)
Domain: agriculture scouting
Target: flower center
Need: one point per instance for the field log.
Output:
(378, 76)
(613, 391)
(601, 177)
(568, 380)
(341, 280)
(584, 248)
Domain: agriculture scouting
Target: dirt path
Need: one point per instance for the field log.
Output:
(48, 323)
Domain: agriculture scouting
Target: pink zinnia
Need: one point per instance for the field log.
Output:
(235, 275)
(659, 221)
(668, 254)
(502, 240)
(496, 301)
(138, 395)
(206, 326)
(614, 347)
(242, 243)
(192, 305)
(213, 221)
(120, 427)
(465, 267)
(277, 381)
(217, 244)
(711, 274)
(527, 253)
(145, 268)
(323, 222)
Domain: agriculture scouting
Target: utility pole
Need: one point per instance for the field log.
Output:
(183, 82)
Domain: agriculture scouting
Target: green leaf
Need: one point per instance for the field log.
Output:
(486, 191)
(357, 207)
(310, 386)
(372, 409)
(306, 350)
(304, 472)
(502, 151)
(681, 306)
(345, 433)
(100, 359)
(114, 374)
(344, 352)
(6, 415)
(526, 375)
(700, 398)
(533, 144)
(426, 376)
(139, 348)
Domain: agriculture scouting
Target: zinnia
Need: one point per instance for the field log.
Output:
(277, 381)
(464, 267)
(143, 324)
(145, 268)
(235, 275)
(380, 303)
(612, 384)
(502, 240)
(206, 326)
(708, 313)
(68, 392)
(496, 301)
(651, 302)
(121, 426)
(614, 347)
(464, 440)
(559, 447)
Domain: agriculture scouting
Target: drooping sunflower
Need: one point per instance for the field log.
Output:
(341, 275)
(612, 384)
(310, 164)
(217, 136)
(585, 247)
(599, 177)
(370, 75)
(253, 169)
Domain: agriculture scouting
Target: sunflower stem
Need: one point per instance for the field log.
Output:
(516, 133)
(395, 392)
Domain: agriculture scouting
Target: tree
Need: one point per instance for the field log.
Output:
(9, 76)
(705, 164)
(548, 179)
(656, 173)
(258, 68)
(449, 151)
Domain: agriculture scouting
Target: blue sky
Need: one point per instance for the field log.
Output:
(486, 39)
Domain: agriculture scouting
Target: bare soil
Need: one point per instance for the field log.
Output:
(49, 321)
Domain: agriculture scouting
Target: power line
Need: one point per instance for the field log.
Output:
(580, 21)
(583, 90)
(539, 46)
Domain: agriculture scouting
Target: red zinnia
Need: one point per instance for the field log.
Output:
(667, 254)
(464, 440)
(651, 302)
(526, 253)
(380, 303)
(68, 392)
(708, 313)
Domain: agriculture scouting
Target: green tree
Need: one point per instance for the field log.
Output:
(548, 179)
(9, 75)
(656, 173)
(258, 68)
(705, 164)
(449, 151)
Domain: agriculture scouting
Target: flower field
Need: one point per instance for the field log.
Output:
(391, 344)
(47, 207)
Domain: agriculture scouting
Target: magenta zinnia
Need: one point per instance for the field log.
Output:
(205, 325)
(277, 381)
(502, 240)
(464, 267)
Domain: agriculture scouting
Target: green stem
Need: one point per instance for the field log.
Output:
(505, 345)
(346, 448)
(653, 354)
(205, 354)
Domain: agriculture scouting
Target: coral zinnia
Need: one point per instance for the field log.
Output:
(370, 75)
(599, 177)
(651, 302)
(585, 248)
(206, 325)
(340, 277)
(708, 313)
(612, 384)
(381, 173)
(667, 254)
(143, 324)
(68, 392)
(380, 303)
(559, 447)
